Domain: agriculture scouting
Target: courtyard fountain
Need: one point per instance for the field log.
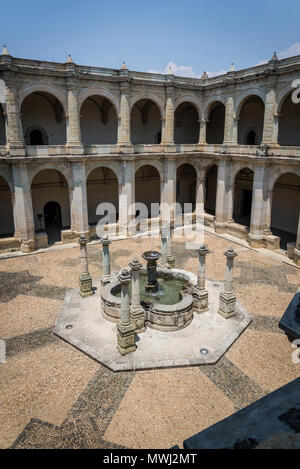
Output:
(164, 316)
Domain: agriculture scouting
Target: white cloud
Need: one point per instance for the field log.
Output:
(184, 71)
(294, 49)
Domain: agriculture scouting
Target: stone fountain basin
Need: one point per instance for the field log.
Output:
(170, 317)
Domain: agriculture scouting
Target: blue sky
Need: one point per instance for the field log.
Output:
(148, 35)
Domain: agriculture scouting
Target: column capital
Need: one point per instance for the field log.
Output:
(135, 264)
(124, 276)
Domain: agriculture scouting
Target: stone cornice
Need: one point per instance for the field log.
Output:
(83, 73)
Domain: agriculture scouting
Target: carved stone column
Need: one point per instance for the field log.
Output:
(223, 204)
(85, 280)
(23, 207)
(170, 257)
(202, 132)
(259, 206)
(124, 138)
(230, 137)
(164, 249)
(126, 196)
(79, 199)
(125, 328)
(168, 197)
(74, 143)
(227, 297)
(168, 130)
(106, 275)
(200, 293)
(270, 124)
(14, 130)
(137, 312)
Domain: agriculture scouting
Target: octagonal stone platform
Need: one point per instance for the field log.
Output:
(81, 323)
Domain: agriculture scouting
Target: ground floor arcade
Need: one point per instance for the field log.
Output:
(45, 203)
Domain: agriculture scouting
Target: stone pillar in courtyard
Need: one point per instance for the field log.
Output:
(23, 210)
(79, 212)
(223, 202)
(168, 128)
(227, 302)
(270, 130)
(14, 130)
(164, 248)
(168, 196)
(125, 328)
(170, 258)
(126, 196)
(137, 312)
(85, 280)
(74, 144)
(106, 274)
(202, 132)
(124, 138)
(200, 292)
(230, 137)
(259, 206)
(200, 195)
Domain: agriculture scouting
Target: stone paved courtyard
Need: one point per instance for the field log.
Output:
(54, 396)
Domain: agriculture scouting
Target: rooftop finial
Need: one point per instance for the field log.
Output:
(232, 68)
(5, 51)
(274, 58)
(124, 65)
(69, 59)
(204, 76)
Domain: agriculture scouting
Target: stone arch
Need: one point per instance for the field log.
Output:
(282, 94)
(186, 181)
(186, 123)
(43, 109)
(59, 94)
(286, 193)
(114, 167)
(148, 186)
(279, 171)
(40, 129)
(209, 104)
(289, 121)
(145, 122)
(97, 91)
(242, 98)
(51, 203)
(5, 173)
(215, 127)
(102, 186)
(61, 168)
(250, 113)
(98, 120)
(156, 164)
(150, 96)
(192, 163)
(242, 202)
(7, 226)
(187, 98)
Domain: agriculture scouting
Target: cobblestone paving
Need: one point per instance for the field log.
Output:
(96, 408)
